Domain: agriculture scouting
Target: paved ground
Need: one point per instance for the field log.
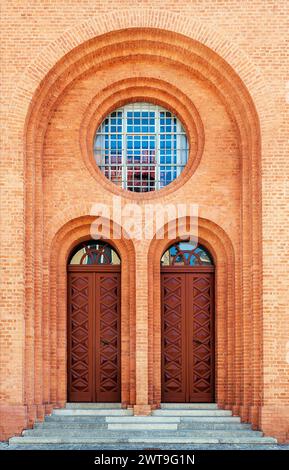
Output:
(4, 446)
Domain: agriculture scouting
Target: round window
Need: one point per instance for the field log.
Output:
(141, 147)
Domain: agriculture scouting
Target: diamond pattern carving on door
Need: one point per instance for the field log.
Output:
(201, 347)
(173, 371)
(187, 336)
(93, 334)
(79, 325)
(109, 353)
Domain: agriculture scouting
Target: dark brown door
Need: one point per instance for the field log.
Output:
(93, 334)
(187, 334)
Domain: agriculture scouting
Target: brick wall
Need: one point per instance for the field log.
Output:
(49, 184)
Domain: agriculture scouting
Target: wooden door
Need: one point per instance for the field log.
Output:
(187, 334)
(93, 334)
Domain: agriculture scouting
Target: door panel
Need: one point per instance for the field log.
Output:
(94, 336)
(200, 337)
(108, 359)
(187, 336)
(80, 332)
(173, 331)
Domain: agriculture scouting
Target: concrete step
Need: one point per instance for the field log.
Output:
(75, 419)
(29, 440)
(145, 433)
(214, 426)
(54, 425)
(189, 406)
(92, 412)
(93, 406)
(211, 419)
(189, 412)
(70, 419)
(99, 425)
(143, 419)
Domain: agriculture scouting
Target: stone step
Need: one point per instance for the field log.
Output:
(143, 419)
(189, 406)
(102, 419)
(104, 425)
(92, 412)
(148, 431)
(225, 426)
(92, 406)
(192, 413)
(75, 419)
(29, 440)
(54, 425)
(232, 420)
(211, 419)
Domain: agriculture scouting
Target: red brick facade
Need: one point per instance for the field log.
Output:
(221, 68)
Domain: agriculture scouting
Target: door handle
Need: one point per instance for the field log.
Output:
(104, 342)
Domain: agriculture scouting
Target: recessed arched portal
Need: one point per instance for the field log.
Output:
(187, 293)
(94, 323)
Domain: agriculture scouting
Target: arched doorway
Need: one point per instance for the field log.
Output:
(187, 289)
(94, 323)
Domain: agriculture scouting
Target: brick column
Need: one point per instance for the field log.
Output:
(142, 406)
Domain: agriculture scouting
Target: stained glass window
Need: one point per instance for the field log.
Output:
(186, 254)
(94, 252)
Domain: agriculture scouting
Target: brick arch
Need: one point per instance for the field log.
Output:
(218, 243)
(230, 338)
(145, 18)
(54, 315)
(177, 46)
